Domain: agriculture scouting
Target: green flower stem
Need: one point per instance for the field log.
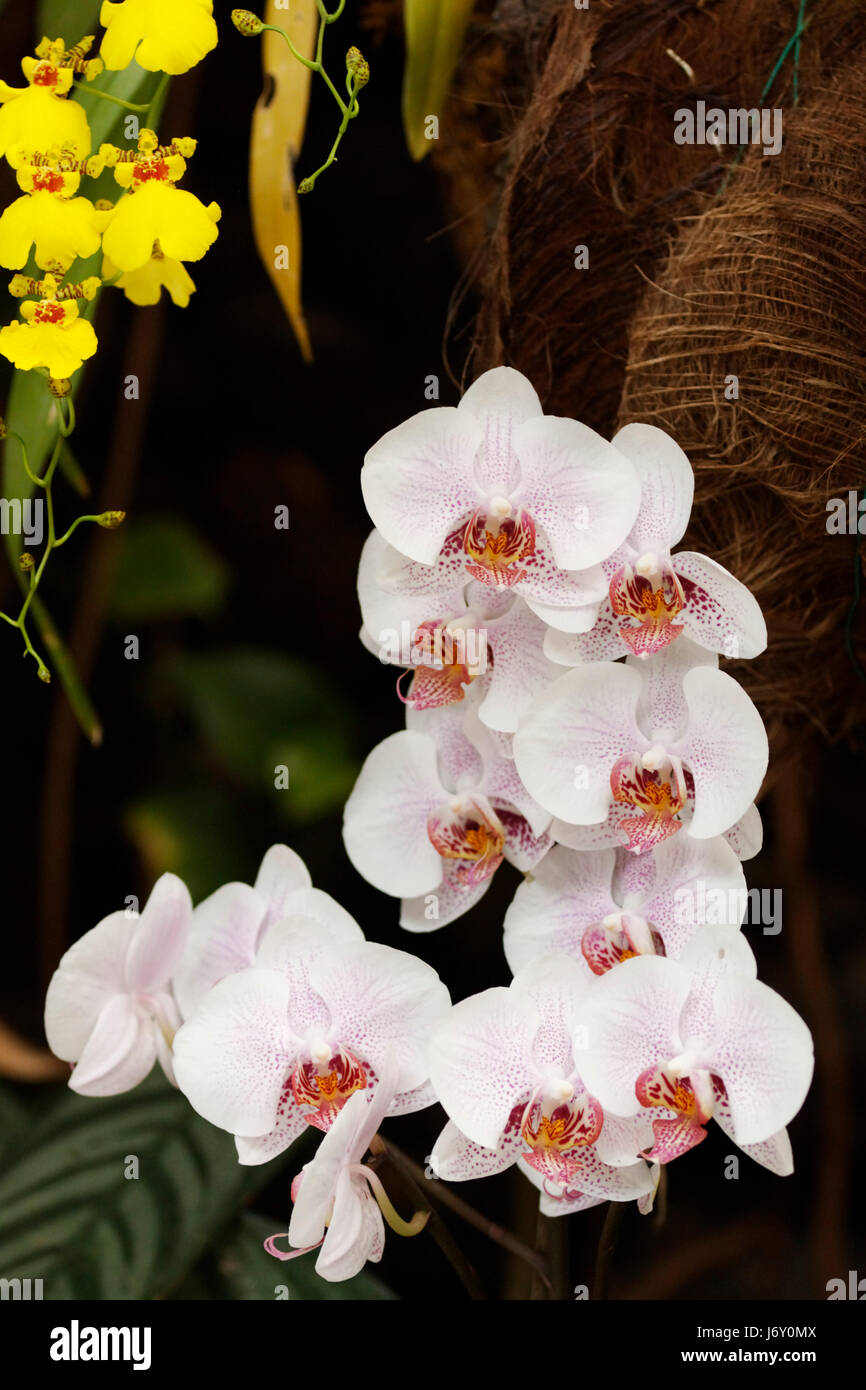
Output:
(76, 523)
(308, 184)
(107, 96)
(313, 64)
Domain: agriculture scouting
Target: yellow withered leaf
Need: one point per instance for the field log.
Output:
(278, 131)
(435, 30)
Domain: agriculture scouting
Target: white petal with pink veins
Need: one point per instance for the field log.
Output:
(519, 670)
(631, 1017)
(604, 834)
(773, 1153)
(694, 881)
(500, 401)
(662, 704)
(458, 1159)
(567, 893)
(556, 985)
(479, 1061)
(762, 1051)
(577, 487)
(747, 836)
(598, 641)
(290, 1124)
(418, 482)
(385, 821)
(223, 936)
(382, 1002)
(667, 485)
(232, 1057)
(720, 612)
(395, 610)
(725, 747)
(448, 901)
(572, 735)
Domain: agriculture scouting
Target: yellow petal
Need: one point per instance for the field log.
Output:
(163, 35)
(61, 229)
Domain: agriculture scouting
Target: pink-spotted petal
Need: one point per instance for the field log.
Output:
(725, 747)
(696, 883)
(224, 932)
(573, 734)
(774, 1153)
(232, 1057)
(520, 668)
(550, 912)
(385, 821)
(500, 401)
(480, 1061)
(720, 612)
(418, 481)
(747, 836)
(291, 1122)
(383, 1003)
(581, 490)
(452, 897)
(631, 1017)
(667, 485)
(458, 1159)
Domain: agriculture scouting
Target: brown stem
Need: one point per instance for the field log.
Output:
(437, 1191)
(606, 1246)
(435, 1226)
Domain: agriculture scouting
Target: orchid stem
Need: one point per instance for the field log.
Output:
(606, 1247)
(438, 1191)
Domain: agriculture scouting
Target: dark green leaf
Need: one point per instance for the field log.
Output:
(166, 570)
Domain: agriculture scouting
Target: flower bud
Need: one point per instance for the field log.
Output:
(44, 674)
(358, 67)
(25, 561)
(110, 521)
(247, 23)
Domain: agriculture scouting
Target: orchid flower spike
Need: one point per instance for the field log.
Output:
(683, 1041)
(339, 1202)
(110, 1007)
(636, 752)
(458, 640)
(505, 1067)
(228, 929)
(433, 814)
(286, 1042)
(494, 490)
(605, 906)
(654, 596)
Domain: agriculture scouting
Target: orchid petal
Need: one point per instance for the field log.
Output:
(480, 1059)
(417, 480)
(232, 1057)
(458, 1159)
(89, 975)
(500, 401)
(720, 612)
(572, 735)
(667, 486)
(119, 1053)
(385, 822)
(567, 893)
(725, 747)
(281, 873)
(222, 940)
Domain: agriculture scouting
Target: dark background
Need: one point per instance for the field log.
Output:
(232, 423)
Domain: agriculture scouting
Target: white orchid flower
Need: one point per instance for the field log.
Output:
(110, 1007)
(339, 1202)
(496, 491)
(434, 813)
(457, 638)
(639, 751)
(285, 1043)
(229, 927)
(697, 1038)
(655, 596)
(604, 906)
(504, 1065)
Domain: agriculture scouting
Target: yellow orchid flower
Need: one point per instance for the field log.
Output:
(162, 35)
(154, 210)
(42, 114)
(52, 334)
(144, 286)
(49, 217)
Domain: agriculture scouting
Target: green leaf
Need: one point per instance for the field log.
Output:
(259, 710)
(435, 30)
(70, 1216)
(166, 570)
(191, 832)
(242, 1269)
